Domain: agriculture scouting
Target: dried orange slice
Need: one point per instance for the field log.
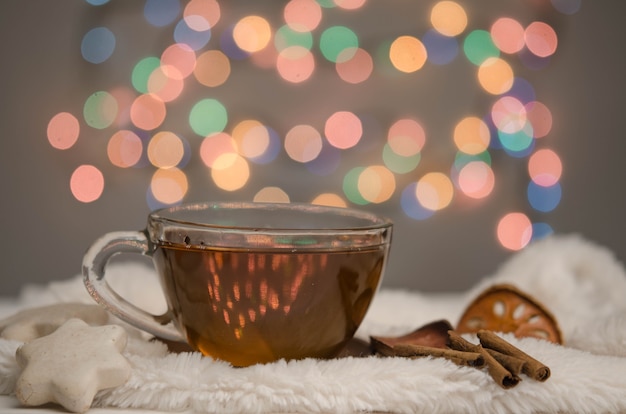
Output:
(504, 308)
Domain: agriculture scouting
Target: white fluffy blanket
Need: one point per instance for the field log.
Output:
(581, 283)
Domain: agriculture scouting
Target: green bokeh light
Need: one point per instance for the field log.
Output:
(400, 164)
(100, 110)
(208, 116)
(142, 71)
(351, 186)
(478, 47)
(328, 4)
(517, 141)
(286, 37)
(462, 159)
(335, 40)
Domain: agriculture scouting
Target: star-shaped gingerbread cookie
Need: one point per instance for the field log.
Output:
(36, 322)
(71, 365)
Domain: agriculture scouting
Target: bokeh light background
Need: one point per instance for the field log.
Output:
(181, 100)
(427, 111)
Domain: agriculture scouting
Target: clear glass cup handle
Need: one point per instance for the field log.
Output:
(94, 264)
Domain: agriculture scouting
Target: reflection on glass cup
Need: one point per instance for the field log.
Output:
(252, 282)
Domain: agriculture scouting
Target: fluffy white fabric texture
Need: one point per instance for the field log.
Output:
(579, 281)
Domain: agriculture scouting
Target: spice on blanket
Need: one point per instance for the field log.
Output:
(500, 374)
(533, 368)
(503, 361)
(462, 358)
(513, 364)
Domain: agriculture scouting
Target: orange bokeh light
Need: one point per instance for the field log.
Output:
(495, 76)
(376, 184)
(252, 33)
(63, 130)
(448, 18)
(471, 135)
(329, 199)
(357, 69)
(212, 68)
(178, 60)
(169, 185)
(476, 179)
(406, 137)
(214, 146)
(343, 129)
(295, 64)
(124, 149)
(87, 183)
(545, 167)
(434, 191)
(303, 143)
(302, 15)
(407, 54)
(201, 15)
(147, 112)
(508, 35)
(541, 39)
(514, 231)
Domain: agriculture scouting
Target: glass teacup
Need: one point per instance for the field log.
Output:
(252, 282)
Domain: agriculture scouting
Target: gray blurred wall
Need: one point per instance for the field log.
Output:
(45, 231)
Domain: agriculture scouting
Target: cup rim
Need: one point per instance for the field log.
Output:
(371, 221)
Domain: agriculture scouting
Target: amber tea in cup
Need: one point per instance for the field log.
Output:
(253, 282)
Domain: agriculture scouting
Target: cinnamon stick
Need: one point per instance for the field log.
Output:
(461, 358)
(470, 359)
(513, 364)
(501, 375)
(533, 368)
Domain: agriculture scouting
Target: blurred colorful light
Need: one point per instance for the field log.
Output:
(514, 231)
(541, 39)
(476, 179)
(271, 195)
(408, 54)
(545, 168)
(338, 43)
(508, 35)
(343, 129)
(406, 137)
(100, 110)
(207, 39)
(478, 47)
(440, 49)
(471, 135)
(303, 143)
(329, 199)
(354, 66)
(434, 191)
(302, 15)
(98, 45)
(202, 15)
(252, 33)
(376, 184)
(87, 183)
(169, 185)
(63, 130)
(208, 116)
(495, 75)
(448, 18)
(147, 112)
(161, 12)
(230, 171)
(124, 149)
(295, 64)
